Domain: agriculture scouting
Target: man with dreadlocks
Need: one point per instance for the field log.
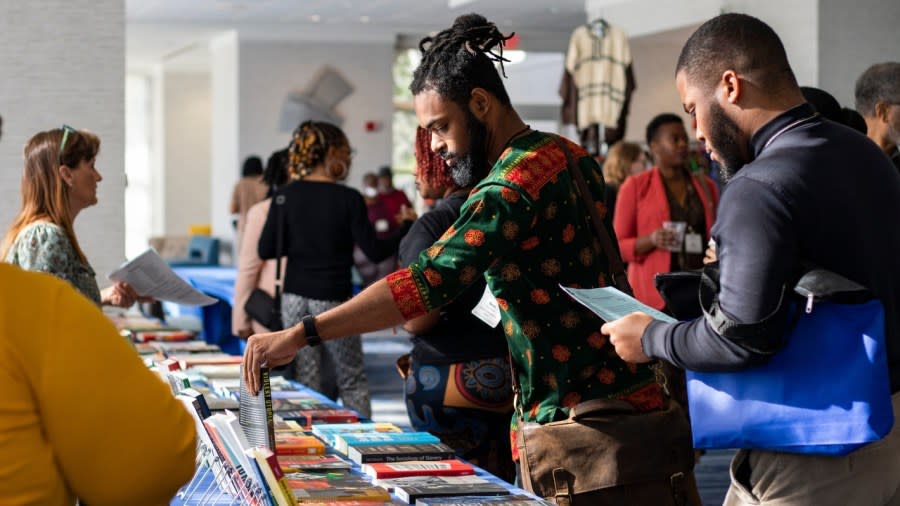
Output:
(525, 229)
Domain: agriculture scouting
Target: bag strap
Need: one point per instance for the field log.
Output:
(279, 201)
(614, 259)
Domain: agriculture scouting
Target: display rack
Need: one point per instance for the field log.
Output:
(205, 490)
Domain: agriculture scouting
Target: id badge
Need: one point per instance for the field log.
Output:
(693, 243)
(487, 309)
(382, 225)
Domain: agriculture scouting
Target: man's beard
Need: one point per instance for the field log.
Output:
(473, 167)
(724, 138)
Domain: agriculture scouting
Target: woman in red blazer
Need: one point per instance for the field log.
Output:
(667, 192)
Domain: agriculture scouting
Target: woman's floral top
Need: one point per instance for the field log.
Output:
(44, 247)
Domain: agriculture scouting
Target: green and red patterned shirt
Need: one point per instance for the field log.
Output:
(526, 230)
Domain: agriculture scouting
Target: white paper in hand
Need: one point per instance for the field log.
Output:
(487, 309)
(151, 276)
(611, 304)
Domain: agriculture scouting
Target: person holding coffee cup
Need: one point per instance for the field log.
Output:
(663, 216)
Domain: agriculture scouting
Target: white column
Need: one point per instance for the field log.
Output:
(225, 64)
(63, 61)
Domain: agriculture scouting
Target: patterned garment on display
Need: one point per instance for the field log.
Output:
(525, 227)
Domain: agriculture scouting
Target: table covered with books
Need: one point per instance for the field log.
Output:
(295, 445)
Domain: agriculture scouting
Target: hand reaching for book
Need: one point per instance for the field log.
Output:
(271, 350)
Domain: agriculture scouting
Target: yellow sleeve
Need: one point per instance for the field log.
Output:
(118, 433)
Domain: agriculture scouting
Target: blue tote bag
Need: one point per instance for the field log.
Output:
(826, 391)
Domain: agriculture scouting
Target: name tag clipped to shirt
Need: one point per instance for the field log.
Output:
(382, 225)
(487, 309)
(693, 243)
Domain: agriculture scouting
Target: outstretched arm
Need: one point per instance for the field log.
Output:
(371, 310)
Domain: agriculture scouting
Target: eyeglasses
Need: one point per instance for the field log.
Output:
(62, 144)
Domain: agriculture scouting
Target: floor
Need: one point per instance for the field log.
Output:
(381, 351)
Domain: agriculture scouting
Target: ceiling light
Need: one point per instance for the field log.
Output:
(364, 19)
(453, 4)
(315, 18)
(514, 56)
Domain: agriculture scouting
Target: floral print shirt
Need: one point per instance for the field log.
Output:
(44, 247)
(526, 230)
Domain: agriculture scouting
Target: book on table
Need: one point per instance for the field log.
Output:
(256, 413)
(327, 431)
(343, 442)
(400, 453)
(309, 417)
(449, 467)
(297, 463)
(287, 443)
(481, 500)
(414, 487)
(334, 485)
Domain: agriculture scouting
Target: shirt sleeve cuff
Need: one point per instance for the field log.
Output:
(655, 341)
(406, 293)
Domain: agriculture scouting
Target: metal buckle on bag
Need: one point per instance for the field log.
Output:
(678, 489)
(661, 379)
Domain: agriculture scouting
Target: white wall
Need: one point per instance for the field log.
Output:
(852, 38)
(270, 70)
(64, 62)
(654, 58)
(224, 99)
(188, 126)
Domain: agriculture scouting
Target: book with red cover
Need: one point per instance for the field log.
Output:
(307, 417)
(295, 463)
(451, 467)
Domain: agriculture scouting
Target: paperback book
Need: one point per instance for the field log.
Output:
(400, 453)
(414, 487)
(507, 500)
(388, 470)
(256, 413)
(299, 463)
(342, 442)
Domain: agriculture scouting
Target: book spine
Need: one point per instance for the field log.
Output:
(267, 395)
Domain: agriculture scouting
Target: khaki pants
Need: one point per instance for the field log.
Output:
(868, 476)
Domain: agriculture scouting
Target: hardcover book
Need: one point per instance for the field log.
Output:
(400, 453)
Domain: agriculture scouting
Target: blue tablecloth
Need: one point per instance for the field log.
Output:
(218, 282)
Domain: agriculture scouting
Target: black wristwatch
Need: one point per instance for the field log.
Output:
(310, 332)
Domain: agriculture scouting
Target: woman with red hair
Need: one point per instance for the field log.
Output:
(458, 384)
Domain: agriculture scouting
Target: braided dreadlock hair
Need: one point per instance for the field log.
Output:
(460, 59)
(310, 144)
(429, 164)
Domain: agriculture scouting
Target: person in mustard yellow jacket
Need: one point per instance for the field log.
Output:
(667, 192)
(80, 414)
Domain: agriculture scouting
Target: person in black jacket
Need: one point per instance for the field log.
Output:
(321, 222)
(788, 200)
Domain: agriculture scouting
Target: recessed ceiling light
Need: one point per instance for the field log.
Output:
(452, 4)
(364, 19)
(315, 18)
